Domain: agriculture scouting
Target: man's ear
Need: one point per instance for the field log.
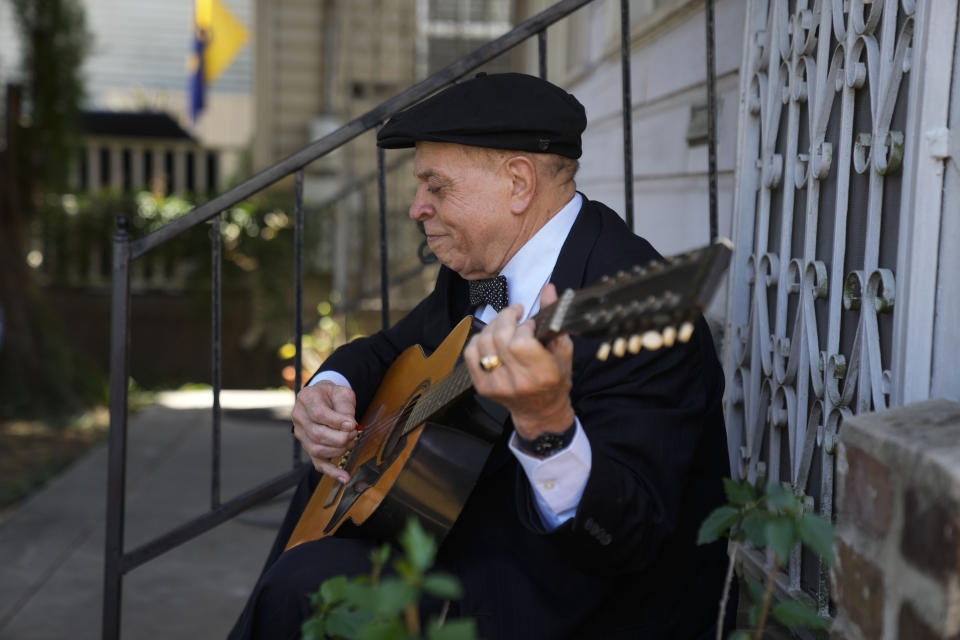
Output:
(523, 175)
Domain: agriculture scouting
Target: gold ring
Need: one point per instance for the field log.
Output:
(491, 362)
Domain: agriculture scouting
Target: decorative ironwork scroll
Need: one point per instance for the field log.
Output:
(824, 87)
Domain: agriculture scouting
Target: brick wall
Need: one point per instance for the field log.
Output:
(898, 524)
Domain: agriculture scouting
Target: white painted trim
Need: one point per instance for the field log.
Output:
(921, 201)
(742, 225)
(946, 334)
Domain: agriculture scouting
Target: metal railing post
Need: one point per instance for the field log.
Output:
(542, 52)
(216, 293)
(117, 456)
(627, 112)
(297, 296)
(711, 118)
(384, 277)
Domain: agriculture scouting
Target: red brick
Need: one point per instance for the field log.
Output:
(868, 498)
(931, 535)
(859, 590)
(911, 627)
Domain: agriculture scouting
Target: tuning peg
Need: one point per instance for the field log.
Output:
(652, 340)
(638, 270)
(686, 332)
(635, 344)
(603, 352)
(619, 347)
(669, 336)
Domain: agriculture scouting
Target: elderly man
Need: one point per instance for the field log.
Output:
(583, 522)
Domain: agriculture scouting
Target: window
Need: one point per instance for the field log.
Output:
(450, 29)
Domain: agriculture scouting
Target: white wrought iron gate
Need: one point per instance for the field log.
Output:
(837, 217)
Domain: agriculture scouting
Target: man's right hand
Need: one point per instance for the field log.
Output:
(325, 424)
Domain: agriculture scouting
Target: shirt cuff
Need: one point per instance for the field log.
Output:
(557, 481)
(332, 376)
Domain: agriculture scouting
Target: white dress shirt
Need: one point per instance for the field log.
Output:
(558, 481)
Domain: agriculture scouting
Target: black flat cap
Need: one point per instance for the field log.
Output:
(502, 111)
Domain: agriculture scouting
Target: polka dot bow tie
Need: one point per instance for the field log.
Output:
(492, 291)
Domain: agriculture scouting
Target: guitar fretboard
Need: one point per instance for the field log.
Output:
(439, 396)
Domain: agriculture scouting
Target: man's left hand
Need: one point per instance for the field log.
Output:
(533, 381)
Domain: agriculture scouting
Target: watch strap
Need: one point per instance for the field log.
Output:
(549, 442)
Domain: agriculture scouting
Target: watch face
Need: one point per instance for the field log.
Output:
(547, 443)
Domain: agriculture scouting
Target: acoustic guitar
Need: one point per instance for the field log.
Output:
(425, 436)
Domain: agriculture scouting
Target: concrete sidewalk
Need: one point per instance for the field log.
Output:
(51, 547)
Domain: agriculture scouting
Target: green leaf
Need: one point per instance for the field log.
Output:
(817, 533)
(755, 527)
(360, 595)
(739, 634)
(755, 589)
(382, 630)
(739, 493)
(465, 629)
(345, 621)
(796, 614)
(781, 497)
(380, 555)
(405, 569)
(717, 524)
(782, 536)
(443, 586)
(312, 629)
(332, 589)
(392, 596)
(418, 545)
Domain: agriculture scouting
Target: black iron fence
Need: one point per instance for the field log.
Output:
(127, 249)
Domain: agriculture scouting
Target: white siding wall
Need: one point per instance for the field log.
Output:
(668, 76)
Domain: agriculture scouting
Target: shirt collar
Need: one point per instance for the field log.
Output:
(530, 267)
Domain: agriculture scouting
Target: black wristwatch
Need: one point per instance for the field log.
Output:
(548, 442)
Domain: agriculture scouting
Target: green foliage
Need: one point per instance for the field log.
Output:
(56, 41)
(386, 608)
(778, 520)
(40, 376)
(71, 224)
(796, 614)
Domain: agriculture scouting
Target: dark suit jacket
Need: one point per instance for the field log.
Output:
(627, 565)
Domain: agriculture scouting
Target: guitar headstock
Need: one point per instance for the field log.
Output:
(649, 307)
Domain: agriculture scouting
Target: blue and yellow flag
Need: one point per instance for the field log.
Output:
(218, 36)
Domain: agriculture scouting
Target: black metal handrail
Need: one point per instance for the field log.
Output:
(118, 562)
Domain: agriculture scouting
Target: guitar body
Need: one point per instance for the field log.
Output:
(429, 471)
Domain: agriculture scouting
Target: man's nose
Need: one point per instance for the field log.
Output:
(420, 210)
